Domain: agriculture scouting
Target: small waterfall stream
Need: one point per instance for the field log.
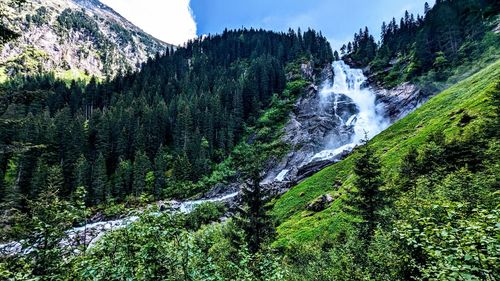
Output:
(92, 232)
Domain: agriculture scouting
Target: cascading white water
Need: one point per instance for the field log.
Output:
(94, 231)
(368, 122)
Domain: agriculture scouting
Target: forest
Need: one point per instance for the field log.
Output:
(417, 202)
(153, 132)
(430, 46)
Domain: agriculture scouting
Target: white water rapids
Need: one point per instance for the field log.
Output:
(368, 122)
(92, 232)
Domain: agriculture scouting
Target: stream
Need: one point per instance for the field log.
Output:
(328, 122)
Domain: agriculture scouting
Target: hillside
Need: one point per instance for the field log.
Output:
(249, 154)
(440, 114)
(461, 113)
(73, 38)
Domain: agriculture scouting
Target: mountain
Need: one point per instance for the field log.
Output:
(260, 155)
(440, 173)
(73, 38)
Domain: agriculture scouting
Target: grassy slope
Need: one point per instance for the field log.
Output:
(441, 113)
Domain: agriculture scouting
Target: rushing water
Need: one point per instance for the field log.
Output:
(92, 232)
(367, 122)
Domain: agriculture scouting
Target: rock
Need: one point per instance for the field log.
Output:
(307, 70)
(113, 44)
(401, 100)
(320, 203)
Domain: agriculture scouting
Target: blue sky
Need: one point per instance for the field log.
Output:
(336, 19)
(176, 21)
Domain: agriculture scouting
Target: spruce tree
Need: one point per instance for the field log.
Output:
(142, 166)
(99, 183)
(495, 102)
(253, 217)
(368, 181)
(50, 218)
(409, 170)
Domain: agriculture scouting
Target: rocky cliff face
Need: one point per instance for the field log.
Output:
(73, 38)
(401, 100)
(330, 118)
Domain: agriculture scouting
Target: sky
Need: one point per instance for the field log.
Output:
(176, 21)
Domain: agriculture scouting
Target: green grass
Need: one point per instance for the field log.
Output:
(73, 74)
(441, 113)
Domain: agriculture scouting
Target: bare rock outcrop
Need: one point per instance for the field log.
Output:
(72, 38)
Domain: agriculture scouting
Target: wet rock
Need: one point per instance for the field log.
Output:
(220, 189)
(401, 100)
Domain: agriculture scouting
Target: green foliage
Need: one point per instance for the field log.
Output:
(368, 181)
(29, 62)
(430, 47)
(78, 20)
(157, 247)
(455, 242)
(440, 166)
(253, 218)
(204, 214)
(191, 107)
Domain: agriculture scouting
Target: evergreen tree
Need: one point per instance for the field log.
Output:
(427, 8)
(253, 217)
(99, 185)
(409, 170)
(142, 166)
(368, 181)
(182, 169)
(495, 102)
(123, 179)
(50, 217)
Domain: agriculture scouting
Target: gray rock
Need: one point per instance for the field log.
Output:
(115, 45)
(320, 203)
(401, 100)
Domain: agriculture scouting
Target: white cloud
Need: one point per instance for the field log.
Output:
(169, 20)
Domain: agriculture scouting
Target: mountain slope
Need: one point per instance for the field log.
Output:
(443, 113)
(73, 37)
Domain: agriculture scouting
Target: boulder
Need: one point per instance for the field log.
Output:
(320, 203)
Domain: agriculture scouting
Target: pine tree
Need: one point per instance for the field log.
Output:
(368, 181)
(123, 179)
(182, 169)
(253, 218)
(162, 162)
(39, 179)
(494, 129)
(427, 8)
(409, 170)
(100, 191)
(82, 171)
(336, 55)
(142, 166)
(50, 217)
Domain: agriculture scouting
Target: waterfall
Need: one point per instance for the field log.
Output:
(367, 122)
